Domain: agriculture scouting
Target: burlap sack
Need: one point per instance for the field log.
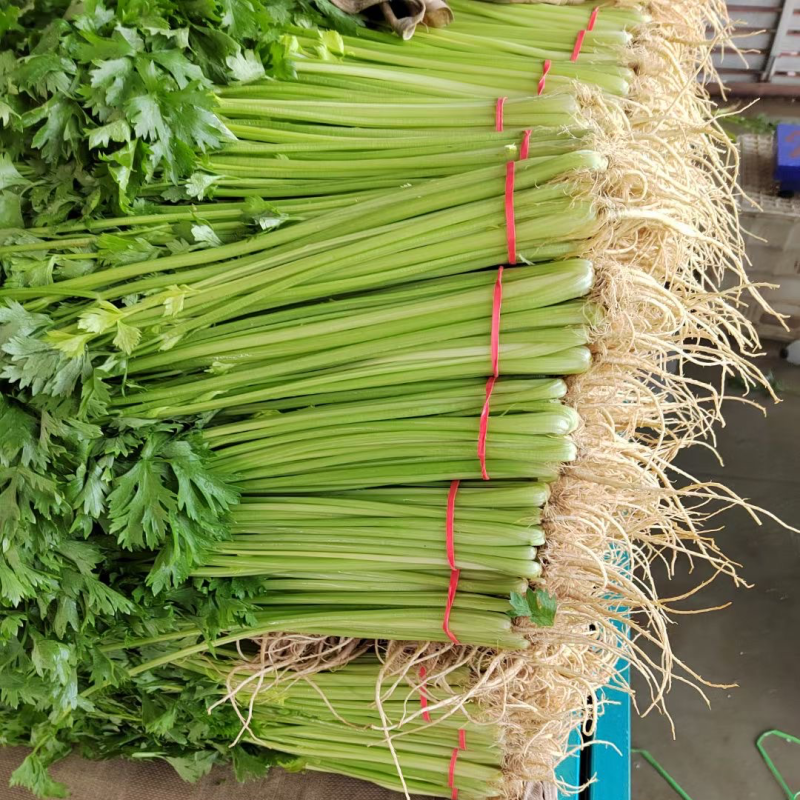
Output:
(129, 780)
(404, 15)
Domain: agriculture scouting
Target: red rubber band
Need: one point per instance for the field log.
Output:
(462, 745)
(578, 45)
(543, 80)
(498, 114)
(451, 561)
(423, 696)
(497, 302)
(483, 428)
(451, 596)
(511, 229)
(593, 19)
(451, 514)
(452, 773)
(526, 141)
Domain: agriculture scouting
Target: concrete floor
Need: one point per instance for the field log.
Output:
(756, 641)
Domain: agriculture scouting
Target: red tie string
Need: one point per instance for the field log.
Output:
(578, 45)
(511, 228)
(423, 695)
(498, 114)
(451, 515)
(451, 561)
(499, 123)
(451, 598)
(526, 141)
(582, 34)
(484, 427)
(497, 302)
(545, 69)
(452, 773)
(451, 778)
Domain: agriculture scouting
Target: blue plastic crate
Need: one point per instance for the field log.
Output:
(787, 166)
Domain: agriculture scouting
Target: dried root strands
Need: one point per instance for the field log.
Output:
(670, 277)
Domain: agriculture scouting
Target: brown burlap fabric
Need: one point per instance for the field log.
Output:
(128, 780)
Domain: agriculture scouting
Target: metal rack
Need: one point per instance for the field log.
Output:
(770, 31)
(772, 224)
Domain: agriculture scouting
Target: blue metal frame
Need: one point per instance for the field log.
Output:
(611, 753)
(608, 758)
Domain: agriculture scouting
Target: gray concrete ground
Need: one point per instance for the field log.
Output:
(756, 641)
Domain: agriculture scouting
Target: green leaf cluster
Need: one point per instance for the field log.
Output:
(99, 97)
(537, 605)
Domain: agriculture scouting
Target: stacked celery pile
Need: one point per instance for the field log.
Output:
(238, 416)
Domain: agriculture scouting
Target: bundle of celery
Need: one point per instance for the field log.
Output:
(426, 429)
(419, 109)
(432, 328)
(397, 142)
(486, 49)
(446, 226)
(369, 550)
(331, 723)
